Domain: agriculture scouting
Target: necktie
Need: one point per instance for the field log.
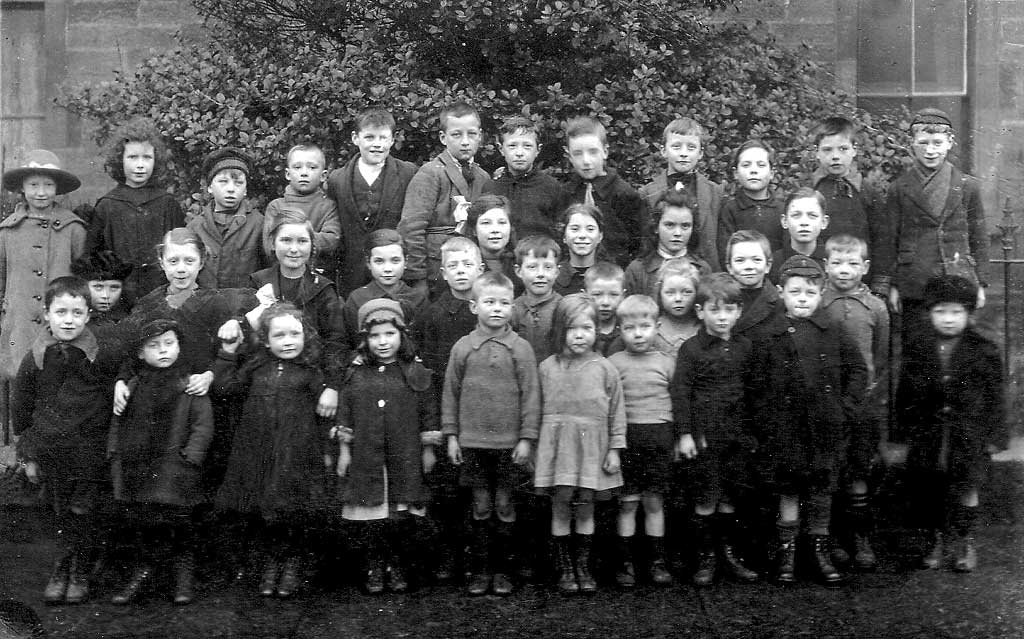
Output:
(588, 196)
(467, 172)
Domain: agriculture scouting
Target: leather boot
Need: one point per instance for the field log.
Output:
(184, 577)
(268, 580)
(373, 543)
(78, 578)
(704, 576)
(625, 576)
(859, 514)
(399, 532)
(785, 553)
(658, 570)
(140, 577)
(584, 578)
(501, 558)
(826, 572)
(567, 583)
(965, 555)
(291, 576)
(57, 585)
(933, 557)
(479, 549)
(731, 562)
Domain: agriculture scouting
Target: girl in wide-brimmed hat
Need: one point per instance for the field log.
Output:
(38, 242)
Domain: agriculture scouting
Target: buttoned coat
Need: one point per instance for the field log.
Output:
(709, 202)
(234, 253)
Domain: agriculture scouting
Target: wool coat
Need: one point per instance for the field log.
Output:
(538, 201)
(624, 209)
(131, 223)
(34, 249)
(440, 325)
(235, 252)
(355, 224)
(949, 420)
(388, 409)
(709, 202)
(159, 442)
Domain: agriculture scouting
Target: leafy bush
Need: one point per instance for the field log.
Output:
(633, 64)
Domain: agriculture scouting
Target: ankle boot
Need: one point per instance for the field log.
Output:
(704, 576)
(584, 578)
(965, 555)
(625, 576)
(785, 553)
(859, 515)
(268, 580)
(78, 579)
(291, 577)
(184, 576)
(501, 558)
(566, 572)
(57, 585)
(479, 550)
(826, 572)
(935, 553)
(734, 568)
(140, 577)
(399, 532)
(658, 570)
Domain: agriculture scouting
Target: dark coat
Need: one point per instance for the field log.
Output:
(762, 317)
(916, 244)
(159, 443)
(386, 407)
(709, 201)
(394, 178)
(642, 273)
(950, 421)
(814, 383)
(538, 201)
(740, 212)
(131, 223)
(440, 325)
(276, 465)
(234, 253)
(624, 209)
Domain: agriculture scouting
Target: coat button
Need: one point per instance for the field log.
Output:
(381, 403)
(37, 297)
(791, 329)
(828, 388)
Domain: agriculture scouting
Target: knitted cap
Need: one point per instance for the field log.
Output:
(954, 289)
(227, 158)
(801, 266)
(384, 309)
(101, 265)
(931, 116)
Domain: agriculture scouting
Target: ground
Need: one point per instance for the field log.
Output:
(894, 602)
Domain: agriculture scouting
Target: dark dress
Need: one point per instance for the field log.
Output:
(276, 465)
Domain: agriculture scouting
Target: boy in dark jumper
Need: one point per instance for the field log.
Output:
(748, 258)
(533, 312)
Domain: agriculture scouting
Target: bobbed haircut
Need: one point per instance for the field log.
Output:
(569, 308)
(141, 130)
(676, 199)
(289, 215)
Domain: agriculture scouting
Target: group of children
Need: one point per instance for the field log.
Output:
(404, 346)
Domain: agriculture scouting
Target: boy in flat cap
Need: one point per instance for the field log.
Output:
(950, 411)
(229, 227)
(936, 224)
(814, 383)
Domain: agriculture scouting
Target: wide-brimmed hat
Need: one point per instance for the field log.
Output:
(41, 162)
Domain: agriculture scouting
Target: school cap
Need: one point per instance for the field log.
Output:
(227, 158)
(943, 289)
(101, 265)
(931, 116)
(41, 162)
(384, 309)
(802, 266)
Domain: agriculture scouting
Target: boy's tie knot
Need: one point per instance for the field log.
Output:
(468, 173)
(588, 196)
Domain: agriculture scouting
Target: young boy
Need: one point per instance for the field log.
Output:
(537, 198)
(60, 406)
(950, 411)
(852, 204)
(442, 323)
(803, 217)
(490, 414)
(813, 388)
(533, 312)
(748, 259)
(584, 232)
(369, 192)
(682, 148)
(305, 172)
(105, 274)
(647, 460)
(440, 193)
(711, 380)
(604, 282)
(847, 302)
(936, 223)
(228, 225)
(586, 144)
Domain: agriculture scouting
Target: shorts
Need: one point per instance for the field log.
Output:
(647, 459)
(491, 469)
(722, 469)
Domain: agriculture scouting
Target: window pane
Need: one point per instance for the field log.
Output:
(940, 45)
(884, 46)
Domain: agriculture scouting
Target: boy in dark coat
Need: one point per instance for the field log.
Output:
(369, 191)
(950, 411)
(60, 406)
(814, 385)
(748, 258)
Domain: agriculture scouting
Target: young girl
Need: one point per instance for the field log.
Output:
(674, 237)
(753, 205)
(583, 427)
(275, 472)
(584, 232)
(675, 290)
(488, 223)
(157, 447)
(131, 218)
(106, 274)
(387, 430)
(385, 257)
(37, 221)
